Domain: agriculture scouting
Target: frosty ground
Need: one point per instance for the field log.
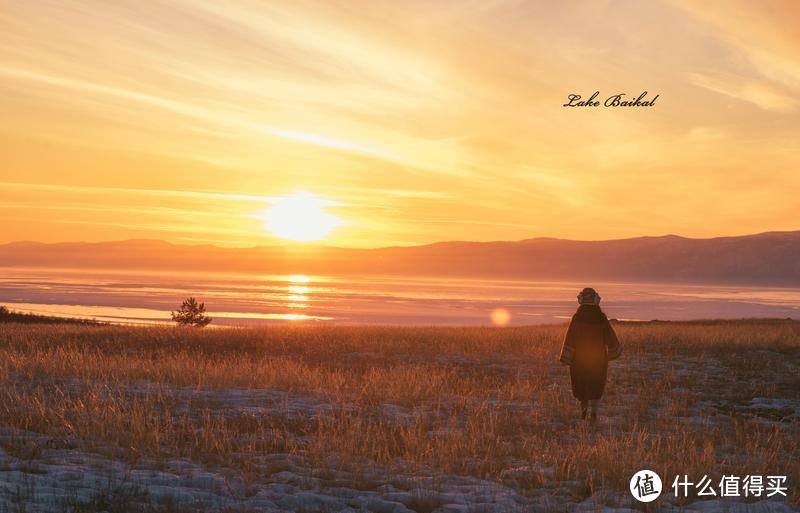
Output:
(103, 418)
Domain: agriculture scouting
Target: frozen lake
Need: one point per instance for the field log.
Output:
(148, 297)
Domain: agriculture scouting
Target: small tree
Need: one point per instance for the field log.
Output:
(191, 313)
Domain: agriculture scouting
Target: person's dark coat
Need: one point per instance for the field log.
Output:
(588, 346)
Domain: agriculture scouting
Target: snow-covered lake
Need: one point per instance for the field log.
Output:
(148, 297)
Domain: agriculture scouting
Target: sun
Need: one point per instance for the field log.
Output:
(300, 217)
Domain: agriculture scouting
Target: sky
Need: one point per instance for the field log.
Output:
(196, 121)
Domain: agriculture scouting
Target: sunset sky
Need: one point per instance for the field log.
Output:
(395, 123)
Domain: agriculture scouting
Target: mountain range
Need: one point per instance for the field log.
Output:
(771, 258)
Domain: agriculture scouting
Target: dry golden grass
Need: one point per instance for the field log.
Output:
(474, 401)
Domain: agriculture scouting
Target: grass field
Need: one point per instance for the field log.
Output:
(387, 419)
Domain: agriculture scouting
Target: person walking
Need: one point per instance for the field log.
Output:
(590, 343)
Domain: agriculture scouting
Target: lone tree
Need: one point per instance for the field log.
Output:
(191, 313)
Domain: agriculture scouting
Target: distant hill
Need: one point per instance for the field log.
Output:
(766, 259)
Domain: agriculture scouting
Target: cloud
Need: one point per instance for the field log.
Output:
(705, 134)
(400, 112)
(761, 34)
(199, 195)
(758, 93)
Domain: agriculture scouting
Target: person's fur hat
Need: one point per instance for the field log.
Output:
(588, 296)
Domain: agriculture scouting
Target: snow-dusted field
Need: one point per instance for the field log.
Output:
(387, 420)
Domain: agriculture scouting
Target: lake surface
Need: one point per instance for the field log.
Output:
(148, 297)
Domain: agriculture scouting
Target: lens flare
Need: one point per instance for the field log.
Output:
(500, 317)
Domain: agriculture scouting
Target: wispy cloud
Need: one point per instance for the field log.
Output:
(202, 195)
(758, 93)
(418, 120)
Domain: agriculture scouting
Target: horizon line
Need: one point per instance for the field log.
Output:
(298, 245)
